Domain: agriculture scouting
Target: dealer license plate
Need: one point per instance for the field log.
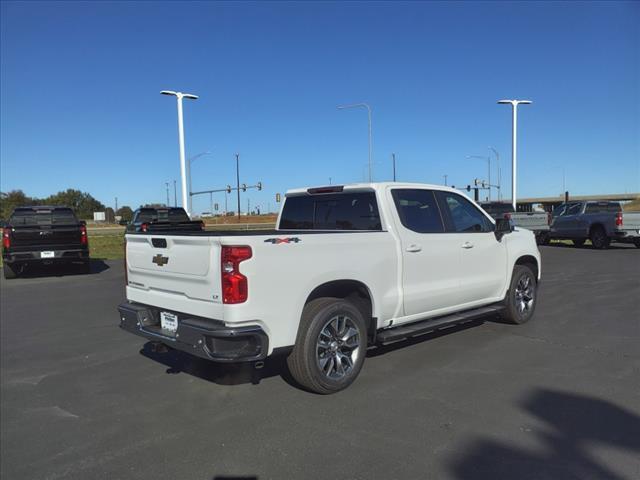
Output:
(47, 254)
(169, 321)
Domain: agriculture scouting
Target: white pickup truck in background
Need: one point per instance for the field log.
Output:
(348, 267)
(538, 222)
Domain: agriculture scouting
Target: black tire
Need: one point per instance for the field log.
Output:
(599, 238)
(637, 243)
(318, 319)
(520, 304)
(578, 242)
(9, 271)
(543, 238)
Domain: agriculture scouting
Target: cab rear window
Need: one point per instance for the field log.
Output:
(334, 211)
(58, 216)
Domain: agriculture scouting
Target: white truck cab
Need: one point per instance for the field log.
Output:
(348, 267)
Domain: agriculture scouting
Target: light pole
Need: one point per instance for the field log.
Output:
(488, 159)
(363, 105)
(189, 162)
(445, 179)
(175, 194)
(499, 172)
(168, 201)
(183, 173)
(393, 159)
(514, 138)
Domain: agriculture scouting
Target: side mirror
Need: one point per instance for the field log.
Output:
(503, 227)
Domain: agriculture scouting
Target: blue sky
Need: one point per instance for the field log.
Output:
(80, 104)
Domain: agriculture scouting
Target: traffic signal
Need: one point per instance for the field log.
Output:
(244, 187)
(277, 197)
(259, 186)
(228, 188)
(468, 188)
(215, 206)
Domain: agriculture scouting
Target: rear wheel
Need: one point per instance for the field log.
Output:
(522, 296)
(9, 270)
(599, 238)
(331, 346)
(578, 242)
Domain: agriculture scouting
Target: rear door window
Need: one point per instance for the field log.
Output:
(334, 211)
(418, 210)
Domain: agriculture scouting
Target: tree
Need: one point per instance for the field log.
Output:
(11, 200)
(82, 203)
(125, 212)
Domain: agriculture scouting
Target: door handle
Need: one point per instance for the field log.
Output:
(467, 245)
(414, 248)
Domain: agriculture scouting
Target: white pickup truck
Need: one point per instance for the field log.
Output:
(348, 267)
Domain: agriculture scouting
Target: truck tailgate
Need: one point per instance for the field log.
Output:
(46, 237)
(531, 220)
(180, 273)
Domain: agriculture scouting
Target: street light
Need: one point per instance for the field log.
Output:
(189, 162)
(183, 173)
(488, 159)
(499, 172)
(514, 139)
(363, 105)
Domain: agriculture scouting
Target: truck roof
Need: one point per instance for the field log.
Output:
(367, 185)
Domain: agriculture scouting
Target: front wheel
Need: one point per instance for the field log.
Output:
(331, 346)
(522, 296)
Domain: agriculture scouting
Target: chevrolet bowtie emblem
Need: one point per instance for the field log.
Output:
(160, 260)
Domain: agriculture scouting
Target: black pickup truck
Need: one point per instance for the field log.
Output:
(152, 219)
(43, 235)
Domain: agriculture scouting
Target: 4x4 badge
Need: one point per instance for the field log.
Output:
(277, 241)
(160, 260)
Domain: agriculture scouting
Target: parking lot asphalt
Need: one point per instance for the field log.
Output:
(556, 398)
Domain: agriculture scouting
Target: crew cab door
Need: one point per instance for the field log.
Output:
(566, 225)
(430, 261)
(483, 259)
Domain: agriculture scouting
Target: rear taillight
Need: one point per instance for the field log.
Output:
(144, 227)
(83, 235)
(201, 225)
(619, 219)
(235, 288)
(6, 240)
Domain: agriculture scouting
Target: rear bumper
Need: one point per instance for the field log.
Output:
(626, 236)
(202, 337)
(59, 256)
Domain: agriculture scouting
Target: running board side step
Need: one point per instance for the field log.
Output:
(402, 332)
